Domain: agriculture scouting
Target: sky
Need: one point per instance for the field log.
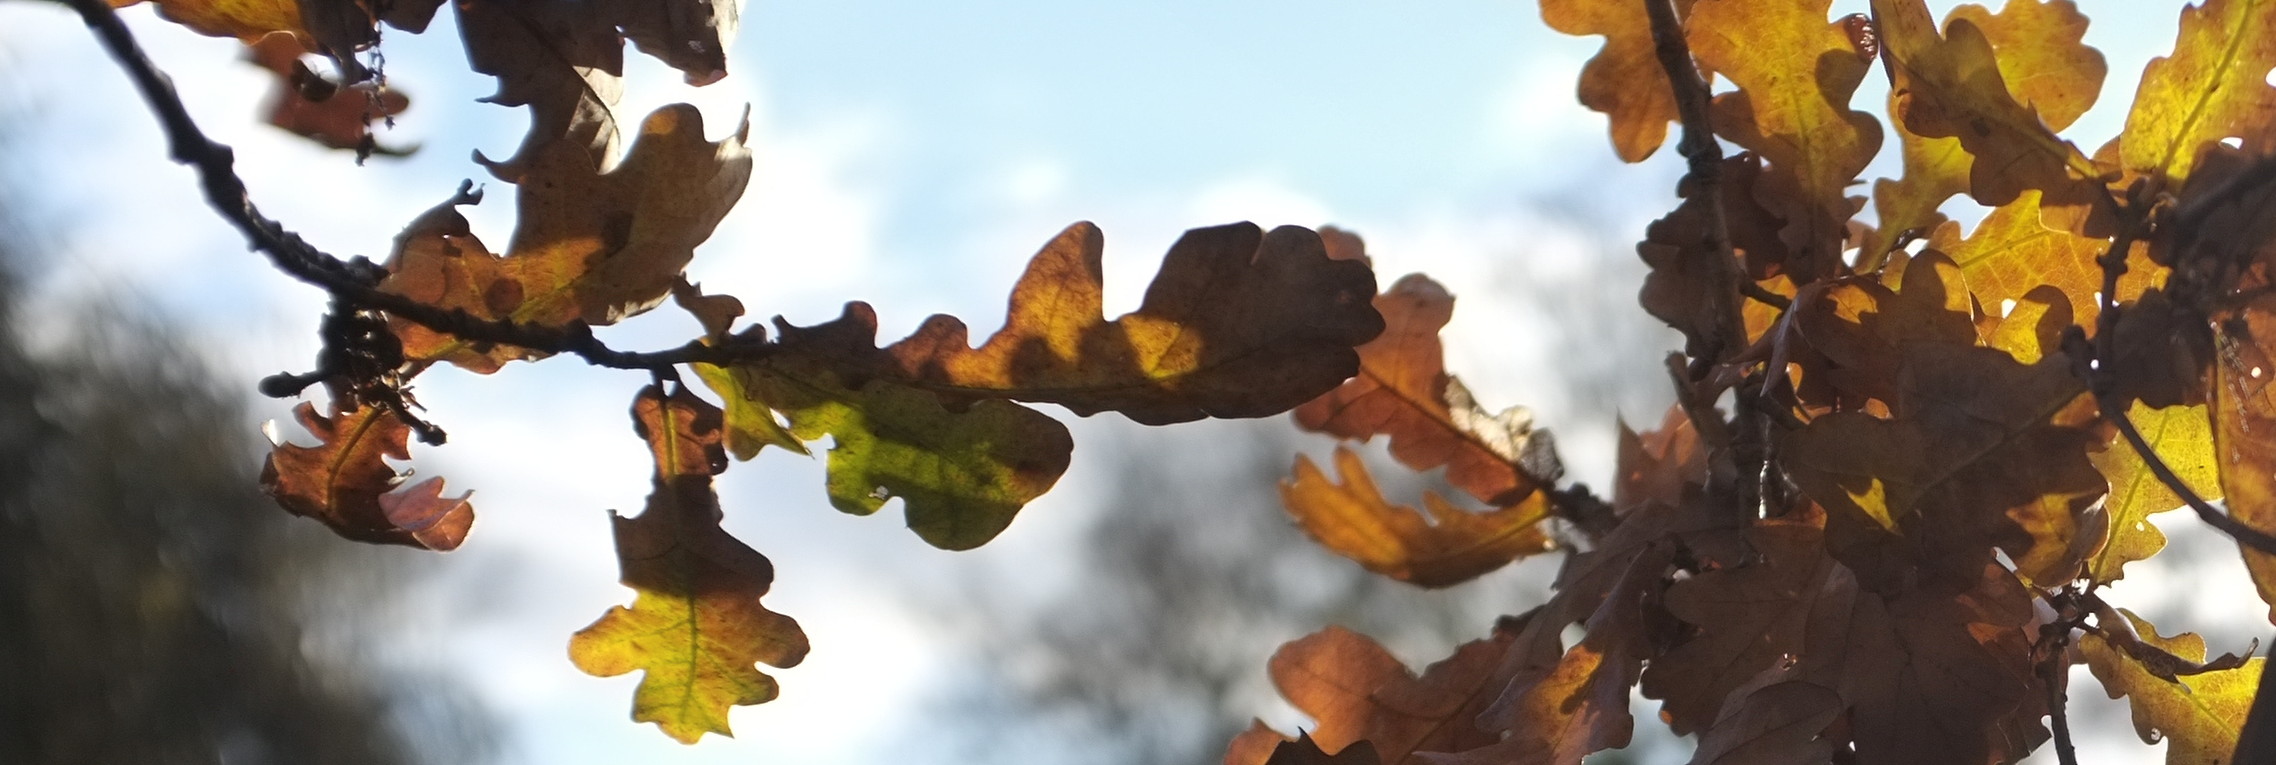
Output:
(914, 155)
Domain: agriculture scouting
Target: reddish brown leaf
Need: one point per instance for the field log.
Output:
(2244, 428)
(344, 481)
(1238, 323)
(1682, 288)
(308, 105)
(1448, 547)
(1403, 391)
(1358, 693)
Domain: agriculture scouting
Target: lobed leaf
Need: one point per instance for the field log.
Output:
(962, 473)
(696, 628)
(1795, 73)
(1238, 323)
(2183, 438)
(2214, 86)
(2198, 715)
(306, 104)
(1403, 391)
(1358, 694)
(1448, 547)
(2243, 417)
(2013, 252)
(1953, 85)
(345, 482)
(1624, 80)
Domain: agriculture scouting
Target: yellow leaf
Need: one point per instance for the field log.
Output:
(2183, 437)
(2198, 715)
(1624, 79)
(1448, 547)
(2214, 86)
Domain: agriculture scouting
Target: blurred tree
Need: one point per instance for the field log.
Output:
(154, 607)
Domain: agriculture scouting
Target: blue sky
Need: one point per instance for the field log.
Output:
(912, 155)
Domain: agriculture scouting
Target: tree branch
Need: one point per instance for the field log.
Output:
(356, 281)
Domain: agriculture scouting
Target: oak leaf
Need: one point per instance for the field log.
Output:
(1771, 719)
(1359, 694)
(1238, 323)
(696, 628)
(2013, 252)
(2183, 438)
(1952, 85)
(2199, 715)
(1795, 73)
(2214, 86)
(1403, 391)
(2244, 417)
(962, 473)
(1448, 547)
(331, 114)
(346, 482)
(1624, 80)
(1683, 288)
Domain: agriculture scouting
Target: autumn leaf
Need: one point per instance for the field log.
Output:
(2182, 436)
(2243, 412)
(2214, 86)
(2013, 252)
(1238, 323)
(1682, 288)
(345, 482)
(1624, 80)
(593, 247)
(246, 20)
(2198, 715)
(961, 473)
(1952, 85)
(1358, 693)
(1448, 547)
(1305, 751)
(696, 629)
(308, 105)
(1771, 719)
(1795, 72)
(1403, 391)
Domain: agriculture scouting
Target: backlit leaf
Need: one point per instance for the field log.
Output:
(1403, 391)
(1447, 547)
(962, 473)
(345, 481)
(2183, 438)
(308, 105)
(2198, 715)
(1952, 85)
(2012, 252)
(2213, 86)
(246, 20)
(1358, 693)
(2244, 428)
(696, 628)
(1795, 71)
(1624, 80)
(1238, 323)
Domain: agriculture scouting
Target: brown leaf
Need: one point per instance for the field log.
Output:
(1449, 547)
(1771, 720)
(1624, 80)
(1238, 323)
(1358, 693)
(1403, 391)
(1795, 72)
(696, 629)
(308, 105)
(2244, 427)
(1305, 751)
(1682, 287)
(344, 481)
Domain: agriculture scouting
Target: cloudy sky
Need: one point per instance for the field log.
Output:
(912, 155)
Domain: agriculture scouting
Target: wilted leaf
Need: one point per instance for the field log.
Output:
(1449, 547)
(1403, 391)
(717, 313)
(308, 105)
(1358, 693)
(1953, 86)
(1238, 323)
(2199, 715)
(1751, 617)
(1795, 72)
(961, 473)
(1624, 80)
(696, 629)
(2182, 436)
(2214, 86)
(344, 481)
(590, 247)
(2244, 428)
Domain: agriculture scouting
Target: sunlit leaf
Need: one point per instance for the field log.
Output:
(1238, 323)
(2213, 86)
(1357, 692)
(1624, 80)
(1448, 546)
(696, 629)
(2012, 252)
(2183, 438)
(2199, 716)
(2244, 428)
(1952, 85)
(345, 481)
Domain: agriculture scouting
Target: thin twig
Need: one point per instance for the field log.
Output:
(356, 281)
(2054, 639)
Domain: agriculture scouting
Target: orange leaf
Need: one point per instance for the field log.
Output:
(1449, 547)
(305, 104)
(1359, 694)
(1238, 323)
(345, 481)
(696, 628)
(1402, 390)
(1624, 80)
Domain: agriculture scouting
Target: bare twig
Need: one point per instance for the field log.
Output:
(2054, 641)
(355, 281)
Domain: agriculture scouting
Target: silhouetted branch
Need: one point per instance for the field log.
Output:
(356, 281)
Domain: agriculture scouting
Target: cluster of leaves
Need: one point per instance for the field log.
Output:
(1240, 322)
(1939, 444)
